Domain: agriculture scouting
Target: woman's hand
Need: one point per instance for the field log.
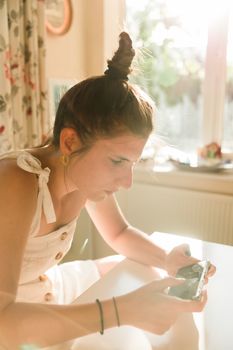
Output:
(152, 309)
(179, 257)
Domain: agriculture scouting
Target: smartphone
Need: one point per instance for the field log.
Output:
(194, 276)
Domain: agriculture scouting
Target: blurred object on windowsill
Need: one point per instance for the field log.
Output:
(207, 159)
(210, 154)
(158, 156)
(152, 149)
(155, 156)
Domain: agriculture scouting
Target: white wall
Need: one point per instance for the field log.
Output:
(65, 53)
(91, 39)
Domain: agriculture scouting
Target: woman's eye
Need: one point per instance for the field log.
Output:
(116, 161)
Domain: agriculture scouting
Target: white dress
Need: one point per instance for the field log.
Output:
(43, 280)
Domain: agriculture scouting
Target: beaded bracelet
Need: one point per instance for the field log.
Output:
(101, 316)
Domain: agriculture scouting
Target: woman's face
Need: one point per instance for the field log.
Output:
(106, 166)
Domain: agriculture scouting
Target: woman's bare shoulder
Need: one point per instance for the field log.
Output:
(15, 180)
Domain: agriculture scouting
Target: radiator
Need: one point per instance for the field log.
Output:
(202, 215)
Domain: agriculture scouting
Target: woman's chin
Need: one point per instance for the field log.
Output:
(97, 197)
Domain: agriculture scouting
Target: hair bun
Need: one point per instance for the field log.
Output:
(119, 65)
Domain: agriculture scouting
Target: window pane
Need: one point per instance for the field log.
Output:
(171, 36)
(228, 108)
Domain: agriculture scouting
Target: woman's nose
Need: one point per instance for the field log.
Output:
(127, 179)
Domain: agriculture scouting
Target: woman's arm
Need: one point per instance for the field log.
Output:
(148, 308)
(131, 242)
(46, 325)
(122, 237)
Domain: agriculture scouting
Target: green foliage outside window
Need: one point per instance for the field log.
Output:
(165, 70)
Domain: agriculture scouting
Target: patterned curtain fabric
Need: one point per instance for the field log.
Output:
(23, 96)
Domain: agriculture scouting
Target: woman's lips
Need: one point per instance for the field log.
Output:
(109, 192)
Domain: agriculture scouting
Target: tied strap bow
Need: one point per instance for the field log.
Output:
(29, 163)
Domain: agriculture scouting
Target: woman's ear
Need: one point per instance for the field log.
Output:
(69, 141)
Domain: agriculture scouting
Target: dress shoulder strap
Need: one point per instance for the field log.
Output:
(28, 162)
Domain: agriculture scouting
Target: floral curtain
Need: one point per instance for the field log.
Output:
(23, 96)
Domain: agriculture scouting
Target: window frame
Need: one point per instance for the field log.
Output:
(214, 87)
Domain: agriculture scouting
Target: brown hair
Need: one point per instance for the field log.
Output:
(107, 105)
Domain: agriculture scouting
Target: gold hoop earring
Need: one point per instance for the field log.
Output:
(65, 160)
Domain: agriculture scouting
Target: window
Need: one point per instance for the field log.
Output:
(183, 64)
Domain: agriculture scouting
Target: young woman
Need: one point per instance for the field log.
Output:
(101, 127)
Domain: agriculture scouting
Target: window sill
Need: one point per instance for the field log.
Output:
(168, 176)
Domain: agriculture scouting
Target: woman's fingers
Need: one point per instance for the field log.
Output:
(193, 305)
(211, 271)
(163, 284)
(154, 310)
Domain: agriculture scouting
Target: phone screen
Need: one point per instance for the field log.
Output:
(194, 276)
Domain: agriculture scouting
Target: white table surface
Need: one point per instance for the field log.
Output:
(215, 324)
